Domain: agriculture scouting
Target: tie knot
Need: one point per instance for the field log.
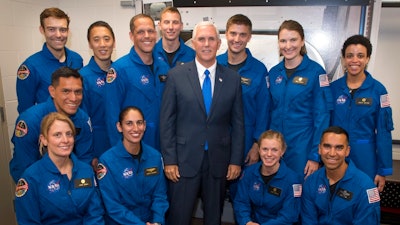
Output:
(206, 72)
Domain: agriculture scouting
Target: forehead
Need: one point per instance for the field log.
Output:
(100, 31)
(239, 28)
(332, 138)
(206, 31)
(55, 22)
(285, 33)
(58, 125)
(69, 82)
(170, 16)
(143, 23)
(356, 48)
(133, 115)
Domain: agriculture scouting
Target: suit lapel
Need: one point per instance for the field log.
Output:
(196, 87)
(219, 78)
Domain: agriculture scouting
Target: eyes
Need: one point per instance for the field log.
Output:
(55, 29)
(69, 91)
(351, 55)
(139, 123)
(68, 134)
(328, 147)
(143, 32)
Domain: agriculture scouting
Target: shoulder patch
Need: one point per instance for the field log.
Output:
(373, 195)
(385, 102)
(21, 188)
(111, 75)
(323, 80)
(21, 129)
(23, 72)
(101, 171)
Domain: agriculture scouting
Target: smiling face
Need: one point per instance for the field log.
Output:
(170, 25)
(334, 149)
(132, 127)
(55, 32)
(102, 43)
(206, 43)
(67, 95)
(237, 37)
(144, 35)
(59, 139)
(290, 44)
(355, 59)
(271, 150)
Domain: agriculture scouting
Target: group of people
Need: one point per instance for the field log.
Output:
(138, 140)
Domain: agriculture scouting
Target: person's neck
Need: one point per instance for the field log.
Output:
(337, 174)
(170, 46)
(293, 63)
(236, 58)
(58, 54)
(103, 64)
(132, 148)
(146, 57)
(63, 164)
(354, 82)
(268, 171)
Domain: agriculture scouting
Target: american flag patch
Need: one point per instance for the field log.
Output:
(373, 195)
(323, 80)
(385, 102)
(297, 188)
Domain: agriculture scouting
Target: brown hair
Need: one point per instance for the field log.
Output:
(139, 16)
(53, 12)
(294, 26)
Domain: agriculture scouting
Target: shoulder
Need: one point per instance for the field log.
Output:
(73, 55)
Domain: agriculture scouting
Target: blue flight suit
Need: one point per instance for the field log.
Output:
(132, 83)
(34, 75)
(256, 97)
(27, 131)
(356, 199)
(301, 108)
(94, 81)
(277, 202)
(367, 117)
(45, 196)
(134, 191)
(183, 55)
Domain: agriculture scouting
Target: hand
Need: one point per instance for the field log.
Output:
(380, 182)
(95, 161)
(253, 156)
(310, 168)
(172, 172)
(233, 172)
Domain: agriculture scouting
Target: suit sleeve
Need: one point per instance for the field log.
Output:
(95, 211)
(26, 145)
(27, 205)
(384, 137)
(263, 104)
(167, 123)
(237, 123)
(115, 93)
(26, 88)
(84, 140)
(309, 213)
(321, 111)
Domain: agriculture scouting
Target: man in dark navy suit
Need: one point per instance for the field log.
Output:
(202, 144)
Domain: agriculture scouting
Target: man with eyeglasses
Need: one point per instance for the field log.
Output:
(339, 193)
(66, 96)
(34, 74)
(137, 79)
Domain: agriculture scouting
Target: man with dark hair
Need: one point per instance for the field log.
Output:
(101, 40)
(33, 77)
(339, 193)
(66, 96)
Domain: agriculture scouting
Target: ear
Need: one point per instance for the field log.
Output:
(131, 36)
(43, 140)
(41, 29)
(119, 127)
(52, 91)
